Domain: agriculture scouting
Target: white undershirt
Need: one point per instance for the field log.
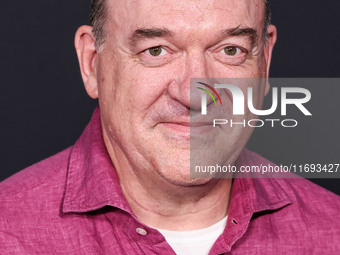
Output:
(195, 242)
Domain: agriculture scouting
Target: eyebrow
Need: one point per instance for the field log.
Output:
(249, 32)
(147, 33)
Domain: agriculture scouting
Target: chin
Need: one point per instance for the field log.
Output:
(183, 179)
(174, 167)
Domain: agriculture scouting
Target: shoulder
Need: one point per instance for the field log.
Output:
(313, 208)
(46, 174)
(303, 192)
(37, 188)
(311, 216)
(30, 202)
(313, 199)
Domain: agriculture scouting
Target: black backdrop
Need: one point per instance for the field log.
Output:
(44, 107)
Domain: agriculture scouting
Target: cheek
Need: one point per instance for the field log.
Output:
(257, 95)
(262, 65)
(251, 68)
(139, 87)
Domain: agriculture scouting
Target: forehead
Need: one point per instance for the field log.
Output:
(128, 15)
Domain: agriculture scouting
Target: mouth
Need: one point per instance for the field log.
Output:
(188, 127)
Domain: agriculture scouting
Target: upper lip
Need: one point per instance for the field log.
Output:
(189, 124)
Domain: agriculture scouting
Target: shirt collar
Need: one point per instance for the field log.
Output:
(265, 192)
(92, 181)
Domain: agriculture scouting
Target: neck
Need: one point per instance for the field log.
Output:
(161, 204)
(164, 206)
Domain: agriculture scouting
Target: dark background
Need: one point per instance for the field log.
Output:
(44, 107)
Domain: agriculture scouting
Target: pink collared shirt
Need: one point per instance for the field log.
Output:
(72, 203)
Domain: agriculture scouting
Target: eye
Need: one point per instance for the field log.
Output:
(232, 55)
(231, 50)
(156, 51)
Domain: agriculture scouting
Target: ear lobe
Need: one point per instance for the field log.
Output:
(84, 43)
(272, 32)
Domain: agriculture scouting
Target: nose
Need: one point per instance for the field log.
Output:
(183, 87)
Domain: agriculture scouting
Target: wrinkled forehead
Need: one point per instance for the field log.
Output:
(128, 15)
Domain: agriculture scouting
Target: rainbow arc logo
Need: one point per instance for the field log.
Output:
(209, 93)
(204, 96)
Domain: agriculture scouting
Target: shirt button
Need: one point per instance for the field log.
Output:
(141, 231)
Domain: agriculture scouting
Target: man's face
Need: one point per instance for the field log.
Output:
(151, 50)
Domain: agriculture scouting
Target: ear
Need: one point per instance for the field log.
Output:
(84, 43)
(268, 50)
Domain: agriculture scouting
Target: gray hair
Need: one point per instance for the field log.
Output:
(97, 20)
(98, 16)
(267, 19)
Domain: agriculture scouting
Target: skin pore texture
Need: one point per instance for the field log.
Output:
(141, 75)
